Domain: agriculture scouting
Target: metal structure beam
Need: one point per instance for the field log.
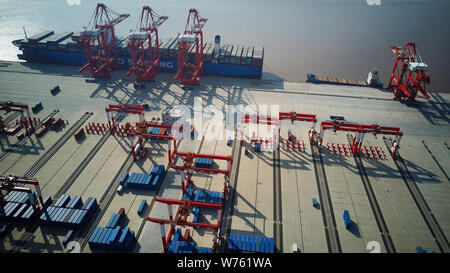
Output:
(361, 130)
(409, 75)
(100, 37)
(145, 56)
(191, 67)
(14, 183)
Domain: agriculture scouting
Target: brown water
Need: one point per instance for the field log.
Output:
(338, 38)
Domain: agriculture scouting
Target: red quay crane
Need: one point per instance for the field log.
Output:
(100, 37)
(145, 60)
(189, 72)
(409, 75)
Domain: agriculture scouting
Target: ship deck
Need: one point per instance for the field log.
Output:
(424, 149)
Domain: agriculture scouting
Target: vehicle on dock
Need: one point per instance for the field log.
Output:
(55, 90)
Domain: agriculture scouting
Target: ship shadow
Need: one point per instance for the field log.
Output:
(354, 229)
(162, 94)
(52, 68)
(269, 81)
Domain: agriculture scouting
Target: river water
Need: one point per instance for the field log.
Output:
(338, 38)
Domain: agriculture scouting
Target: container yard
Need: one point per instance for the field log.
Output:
(93, 163)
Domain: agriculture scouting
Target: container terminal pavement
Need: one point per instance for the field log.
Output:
(373, 176)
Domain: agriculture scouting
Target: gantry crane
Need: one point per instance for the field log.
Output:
(100, 37)
(180, 219)
(123, 108)
(13, 183)
(361, 130)
(409, 75)
(189, 69)
(10, 106)
(145, 59)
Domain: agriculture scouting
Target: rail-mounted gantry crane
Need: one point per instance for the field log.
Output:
(191, 67)
(99, 41)
(145, 51)
(10, 106)
(13, 183)
(409, 75)
(361, 130)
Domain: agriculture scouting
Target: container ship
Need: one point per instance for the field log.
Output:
(62, 48)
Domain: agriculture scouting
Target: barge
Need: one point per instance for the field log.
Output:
(372, 80)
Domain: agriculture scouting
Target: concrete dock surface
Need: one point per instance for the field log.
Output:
(272, 200)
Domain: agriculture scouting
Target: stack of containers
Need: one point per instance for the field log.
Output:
(112, 237)
(238, 55)
(233, 54)
(17, 207)
(201, 162)
(69, 213)
(157, 131)
(248, 243)
(138, 180)
(143, 180)
(210, 53)
(163, 52)
(223, 50)
(258, 53)
(206, 55)
(157, 173)
(243, 59)
(173, 49)
(204, 196)
(178, 246)
(228, 51)
(249, 55)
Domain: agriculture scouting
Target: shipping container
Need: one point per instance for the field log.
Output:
(222, 53)
(258, 56)
(164, 47)
(93, 235)
(228, 54)
(249, 55)
(206, 57)
(233, 54)
(69, 215)
(173, 48)
(20, 211)
(238, 55)
(74, 216)
(28, 214)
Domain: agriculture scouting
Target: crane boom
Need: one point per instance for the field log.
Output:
(101, 34)
(145, 51)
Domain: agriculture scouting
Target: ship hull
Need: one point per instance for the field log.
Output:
(167, 65)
